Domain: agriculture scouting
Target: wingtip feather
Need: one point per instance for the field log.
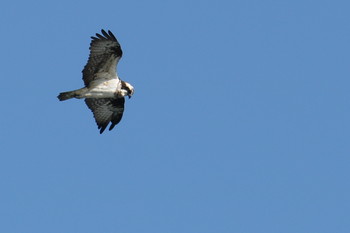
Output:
(104, 33)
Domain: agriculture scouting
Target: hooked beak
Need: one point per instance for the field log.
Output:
(131, 93)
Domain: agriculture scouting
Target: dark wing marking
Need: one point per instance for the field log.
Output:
(106, 110)
(105, 52)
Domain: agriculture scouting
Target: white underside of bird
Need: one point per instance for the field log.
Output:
(101, 88)
(104, 88)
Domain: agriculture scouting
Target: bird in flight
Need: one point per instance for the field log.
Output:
(104, 91)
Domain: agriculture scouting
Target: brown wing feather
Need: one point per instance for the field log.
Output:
(105, 52)
(106, 110)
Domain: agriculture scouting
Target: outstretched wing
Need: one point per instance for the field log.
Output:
(106, 110)
(105, 52)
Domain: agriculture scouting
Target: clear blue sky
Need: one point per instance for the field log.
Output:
(239, 122)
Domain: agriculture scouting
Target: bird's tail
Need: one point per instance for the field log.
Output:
(67, 95)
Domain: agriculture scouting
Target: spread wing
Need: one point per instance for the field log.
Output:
(106, 110)
(105, 52)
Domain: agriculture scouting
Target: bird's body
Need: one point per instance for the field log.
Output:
(103, 88)
(104, 91)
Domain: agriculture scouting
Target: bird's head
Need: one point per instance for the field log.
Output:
(129, 90)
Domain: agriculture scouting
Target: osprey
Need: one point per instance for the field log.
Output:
(104, 91)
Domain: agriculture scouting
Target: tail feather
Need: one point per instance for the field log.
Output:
(66, 95)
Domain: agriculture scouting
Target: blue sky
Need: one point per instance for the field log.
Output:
(239, 122)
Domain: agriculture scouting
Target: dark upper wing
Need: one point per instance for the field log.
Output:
(105, 52)
(106, 110)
